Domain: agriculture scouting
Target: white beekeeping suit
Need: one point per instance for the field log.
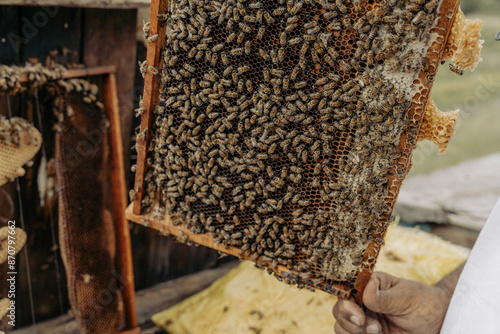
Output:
(475, 305)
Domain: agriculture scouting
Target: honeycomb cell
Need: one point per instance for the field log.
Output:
(438, 126)
(464, 44)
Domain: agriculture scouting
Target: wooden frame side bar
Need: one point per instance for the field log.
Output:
(119, 189)
(440, 33)
(151, 96)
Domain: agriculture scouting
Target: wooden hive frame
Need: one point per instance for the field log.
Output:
(119, 188)
(434, 55)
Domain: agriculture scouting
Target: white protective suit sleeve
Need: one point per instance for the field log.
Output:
(475, 305)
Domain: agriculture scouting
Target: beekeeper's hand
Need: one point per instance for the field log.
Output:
(393, 305)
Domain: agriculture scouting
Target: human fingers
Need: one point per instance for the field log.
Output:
(371, 326)
(381, 296)
(349, 311)
(385, 280)
(340, 330)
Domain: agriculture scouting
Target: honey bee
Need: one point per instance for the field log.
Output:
(340, 6)
(231, 38)
(199, 55)
(153, 70)
(418, 18)
(248, 47)
(277, 73)
(241, 38)
(283, 37)
(152, 38)
(274, 56)
(431, 5)
(294, 41)
(236, 52)
(260, 33)
(173, 60)
(243, 69)
(270, 20)
(329, 60)
(313, 31)
(309, 38)
(245, 27)
(264, 55)
(295, 73)
(456, 70)
(218, 47)
(300, 84)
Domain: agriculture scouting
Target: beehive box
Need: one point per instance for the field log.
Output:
(280, 131)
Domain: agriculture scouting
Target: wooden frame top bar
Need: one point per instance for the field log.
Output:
(79, 72)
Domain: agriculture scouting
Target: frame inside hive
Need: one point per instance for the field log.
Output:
(117, 181)
(397, 171)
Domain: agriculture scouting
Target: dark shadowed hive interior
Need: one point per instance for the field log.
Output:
(280, 126)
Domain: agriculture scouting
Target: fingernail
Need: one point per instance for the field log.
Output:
(355, 320)
(372, 329)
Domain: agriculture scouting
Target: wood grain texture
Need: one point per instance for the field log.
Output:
(149, 301)
(434, 54)
(151, 93)
(109, 38)
(122, 232)
(166, 227)
(8, 46)
(81, 3)
(45, 29)
(435, 41)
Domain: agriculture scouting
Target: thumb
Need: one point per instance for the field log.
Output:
(380, 296)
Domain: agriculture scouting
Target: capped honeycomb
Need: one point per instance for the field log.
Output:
(284, 128)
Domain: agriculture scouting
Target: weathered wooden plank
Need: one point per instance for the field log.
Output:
(82, 3)
(457, 235)
(462, 195)
(109, 39)
(9, 44)
(158, 258)
(44, 29)
(149, 301)
(122, 230)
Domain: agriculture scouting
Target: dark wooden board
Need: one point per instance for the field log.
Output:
(109, 39)
(8, 35)
(149, 301)
(85, 3)
(49, 28)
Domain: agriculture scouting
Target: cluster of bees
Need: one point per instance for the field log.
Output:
(17, 79)
(278, 123)
(37, 75)
(16, 132)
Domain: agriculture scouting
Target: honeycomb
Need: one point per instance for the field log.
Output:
(464, 46)
(19, 142)
(15, 247)
(285, 128)
(438, 126)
